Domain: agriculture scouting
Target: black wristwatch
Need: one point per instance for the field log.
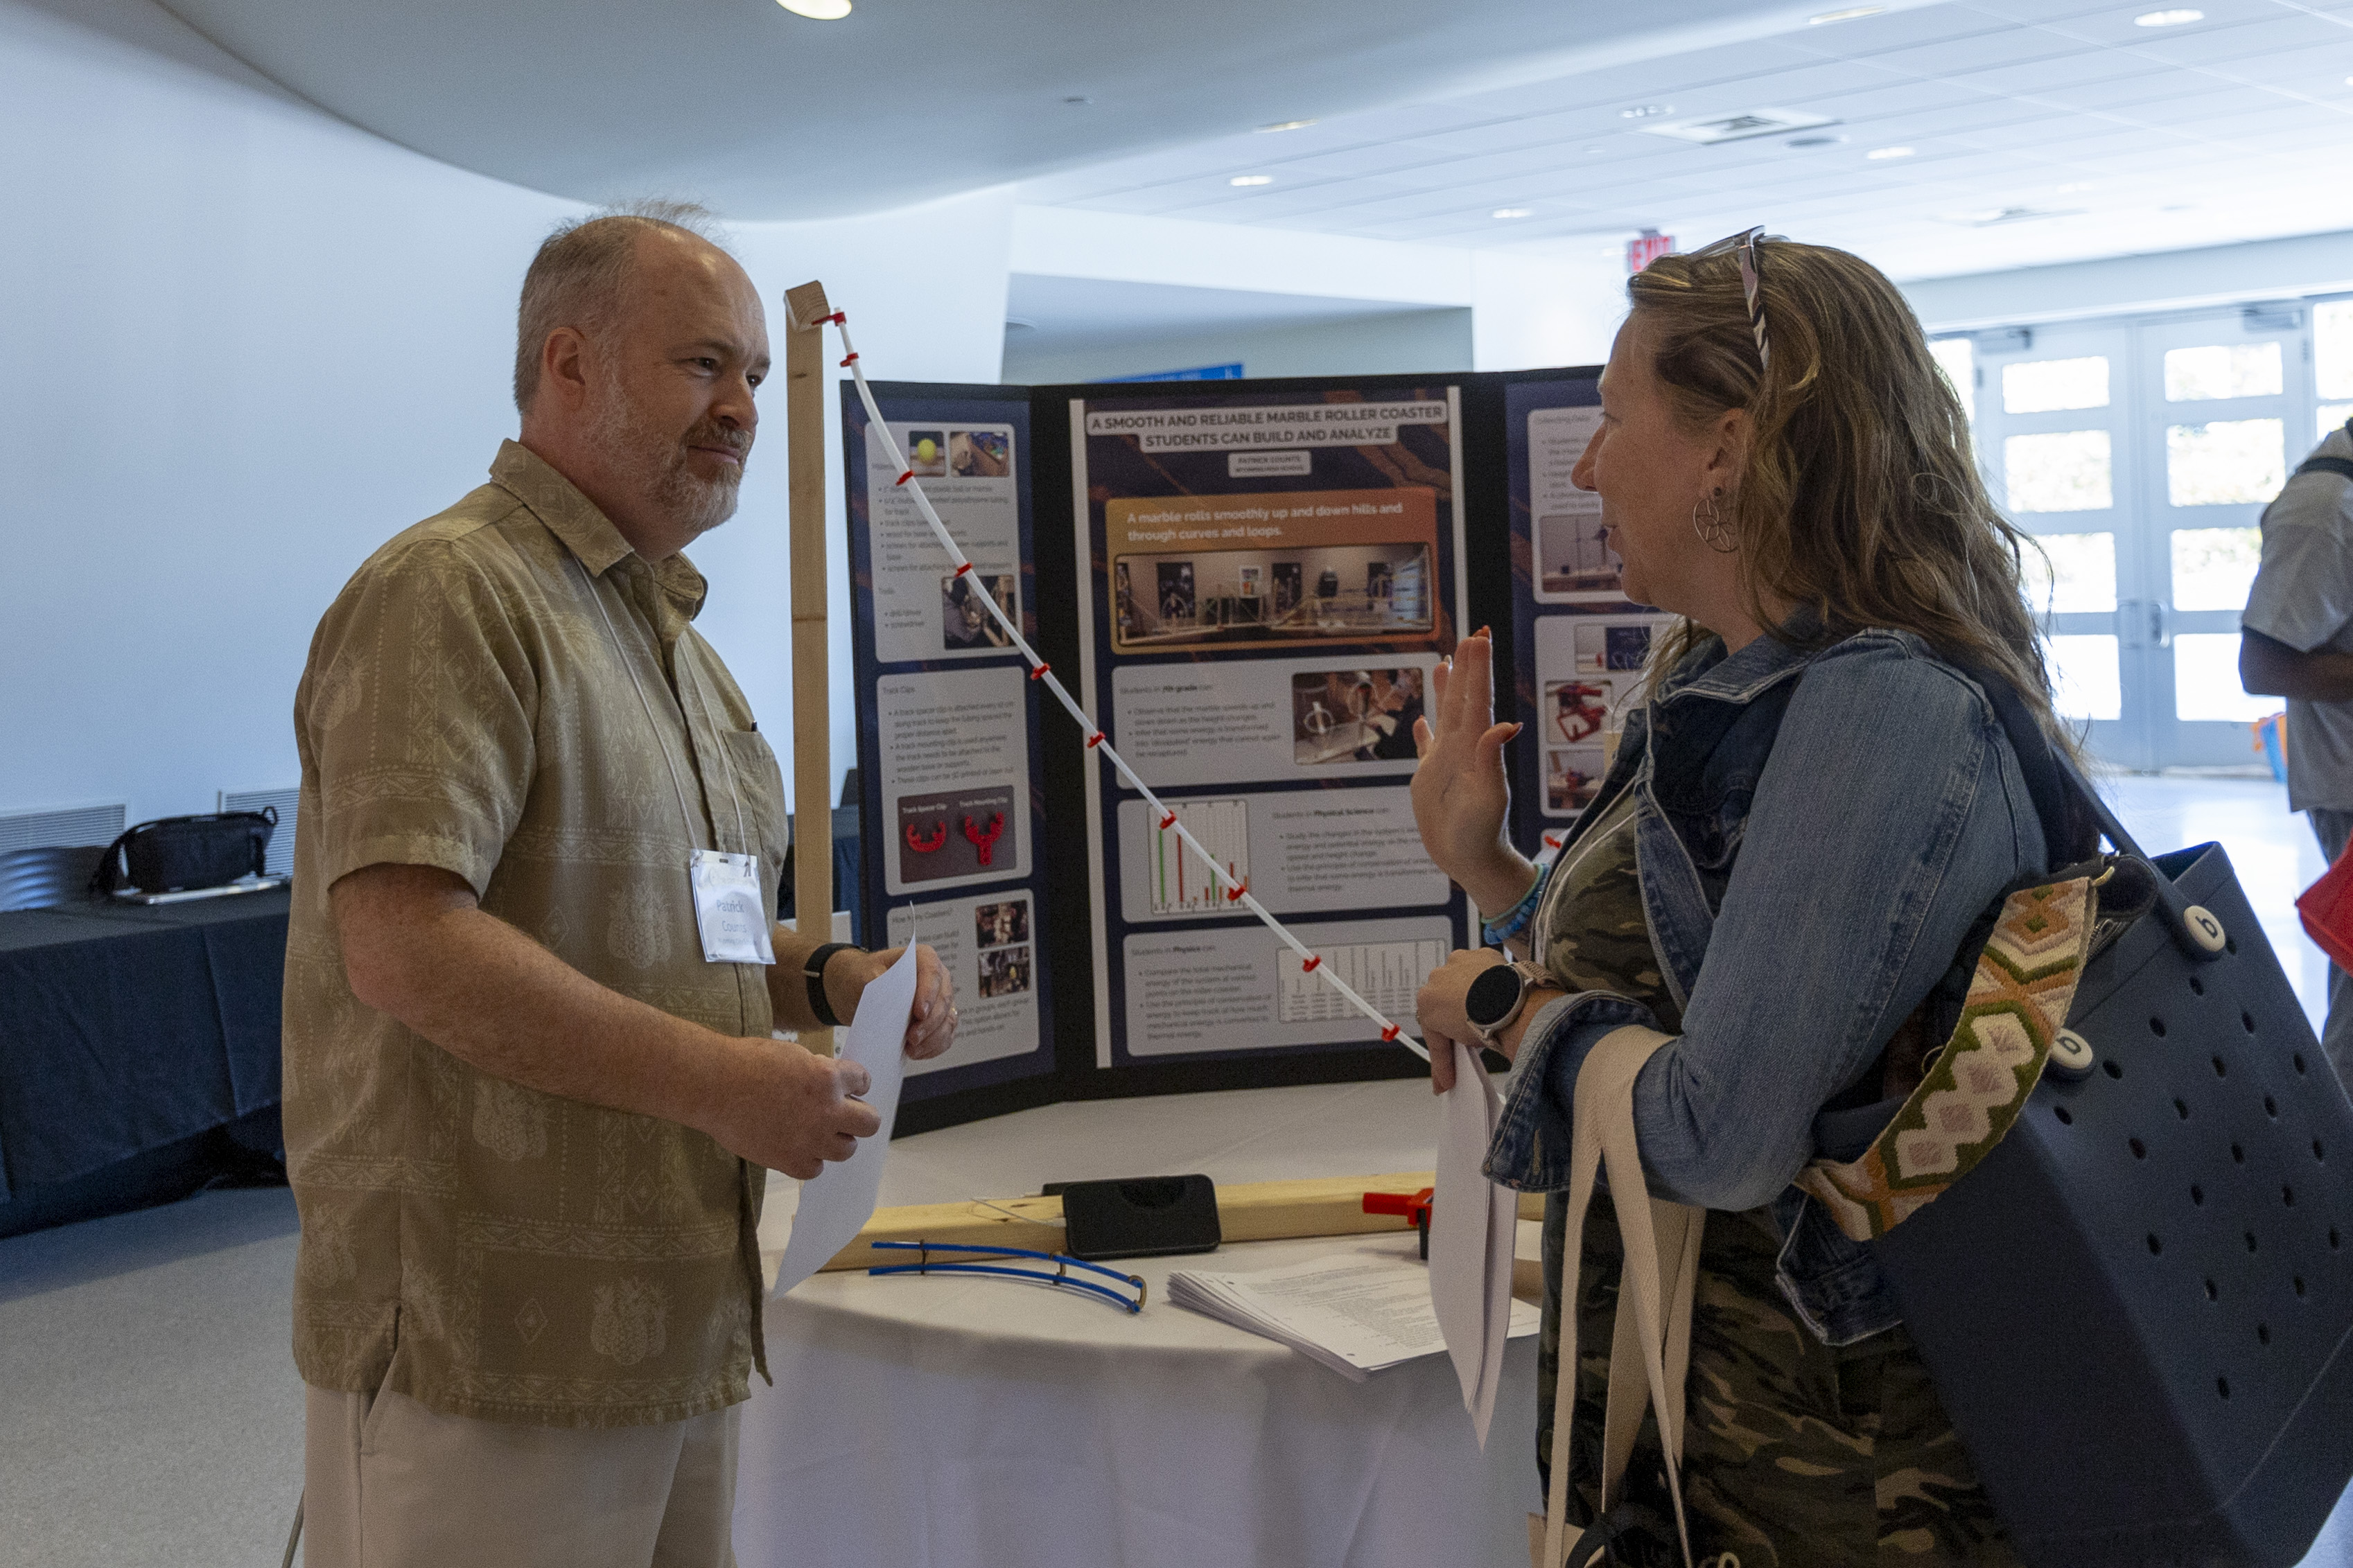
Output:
(1497, 994)
(813, 972)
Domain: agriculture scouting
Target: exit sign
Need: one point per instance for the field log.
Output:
(1647, 248)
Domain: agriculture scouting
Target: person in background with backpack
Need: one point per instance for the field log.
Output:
(2296, 641)
(1811, 808)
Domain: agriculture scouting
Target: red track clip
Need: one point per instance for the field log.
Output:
(1094, 740)
(1167, 822)
(839, 318)
(1042, 668)
(1234, 895)
(850, 360)
(962, 569)
(1313, 959)
(903, 478)
(1391, 1033)
(1413, 1210)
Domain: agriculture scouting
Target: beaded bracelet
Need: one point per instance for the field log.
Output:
(1516, 919)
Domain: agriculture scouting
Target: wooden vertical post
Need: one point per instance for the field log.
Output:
(806, 311)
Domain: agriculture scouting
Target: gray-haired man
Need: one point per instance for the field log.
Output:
(530, 1084)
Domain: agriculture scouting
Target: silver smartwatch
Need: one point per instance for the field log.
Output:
(1498, 993)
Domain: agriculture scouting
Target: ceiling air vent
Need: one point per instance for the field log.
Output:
(1990, 218)
(1740, 127)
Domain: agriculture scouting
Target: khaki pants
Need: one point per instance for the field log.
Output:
(389, 1483)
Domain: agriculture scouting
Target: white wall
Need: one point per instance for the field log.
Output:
(242, 342)
(1529, 309)
(2163, 280)
(1393, 342)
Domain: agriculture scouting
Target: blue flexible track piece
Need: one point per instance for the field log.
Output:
(1062, 1263)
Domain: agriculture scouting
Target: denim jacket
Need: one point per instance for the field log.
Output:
(1811, 854)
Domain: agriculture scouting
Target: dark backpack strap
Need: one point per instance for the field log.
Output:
(2341, 467)
(2058, 792)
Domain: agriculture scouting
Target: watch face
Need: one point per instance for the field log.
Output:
(1493, 995)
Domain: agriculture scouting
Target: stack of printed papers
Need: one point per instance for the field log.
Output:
(1356, 1312)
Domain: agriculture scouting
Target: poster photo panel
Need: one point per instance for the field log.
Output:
(1580, 646)
(952, 788)
(1268, 575)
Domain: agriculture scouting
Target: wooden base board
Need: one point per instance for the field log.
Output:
(1250, 1211)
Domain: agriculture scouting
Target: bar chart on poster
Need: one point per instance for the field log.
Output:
(1269, 579)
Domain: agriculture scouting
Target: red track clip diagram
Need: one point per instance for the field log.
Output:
(923, 843)
(984, 840)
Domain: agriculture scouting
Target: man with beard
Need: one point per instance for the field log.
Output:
(531, 1090)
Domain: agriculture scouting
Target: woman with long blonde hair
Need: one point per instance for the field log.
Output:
(1812, 807)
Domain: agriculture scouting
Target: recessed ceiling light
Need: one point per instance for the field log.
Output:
(2072, 186)
(1514, 212)
(817, 10)
(1288, 125)
(1849, 15)
(1078, 97)
(1251, 180)
(1646, 111)
(2168, 19)
(1889, 152)
(1814, 141)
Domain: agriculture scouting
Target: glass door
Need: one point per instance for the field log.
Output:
(2228, 412)
(2054, 439)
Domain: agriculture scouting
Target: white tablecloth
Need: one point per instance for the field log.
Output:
(952, 1422)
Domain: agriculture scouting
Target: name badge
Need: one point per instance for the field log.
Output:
(729, 914)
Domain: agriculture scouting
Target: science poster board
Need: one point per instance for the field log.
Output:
(953, 833)
(1581, 644)
(1266, 577)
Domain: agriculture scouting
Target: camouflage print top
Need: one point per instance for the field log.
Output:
(1590, 930)
(1797, 1453)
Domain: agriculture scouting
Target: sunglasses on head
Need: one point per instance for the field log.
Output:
(1748, 249)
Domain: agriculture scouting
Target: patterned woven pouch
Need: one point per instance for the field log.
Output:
(2017, 1003)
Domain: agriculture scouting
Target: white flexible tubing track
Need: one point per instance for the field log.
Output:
(1236, 892)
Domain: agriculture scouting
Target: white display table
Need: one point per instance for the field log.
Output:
(973, 1423)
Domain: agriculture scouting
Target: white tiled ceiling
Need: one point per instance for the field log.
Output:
(2102, 137)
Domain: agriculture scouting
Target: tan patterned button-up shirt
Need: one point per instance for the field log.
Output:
(485, 1248)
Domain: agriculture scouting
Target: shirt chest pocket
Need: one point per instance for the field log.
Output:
(761, 783)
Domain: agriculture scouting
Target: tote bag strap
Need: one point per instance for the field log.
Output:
(1650, 1346)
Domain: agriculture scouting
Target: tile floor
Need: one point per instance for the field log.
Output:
(149, 1414)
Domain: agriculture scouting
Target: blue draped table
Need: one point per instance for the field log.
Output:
(138, 1053)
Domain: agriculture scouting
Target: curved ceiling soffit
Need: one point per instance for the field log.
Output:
(765, 115)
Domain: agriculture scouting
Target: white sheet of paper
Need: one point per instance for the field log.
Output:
(838, 1201)
(1473, 1226)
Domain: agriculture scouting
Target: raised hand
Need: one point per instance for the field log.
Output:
(1459, 794)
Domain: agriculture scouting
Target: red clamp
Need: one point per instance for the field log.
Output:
(839, 318)
(1234, 894)
(984, 840)
(1314, 959)
(850, 360)
(1167, 822)
(1414, 1210)
(1094, 740)
(1552, 840)
(1042, 668)
(962, 569)
(903, 478)
(1391, 1033)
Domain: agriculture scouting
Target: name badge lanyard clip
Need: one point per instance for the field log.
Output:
(730, 915)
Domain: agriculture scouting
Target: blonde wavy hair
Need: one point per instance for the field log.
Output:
(1859, 500)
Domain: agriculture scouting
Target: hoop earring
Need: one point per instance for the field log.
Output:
(1709, 522)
